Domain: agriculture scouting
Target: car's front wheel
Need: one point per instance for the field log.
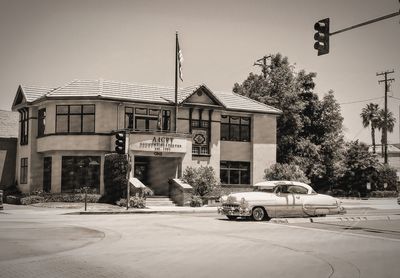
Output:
(259, 214)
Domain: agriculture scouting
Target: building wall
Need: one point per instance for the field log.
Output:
(110, 116)
(8, 153)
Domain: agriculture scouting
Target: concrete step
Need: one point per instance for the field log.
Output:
(159, 201)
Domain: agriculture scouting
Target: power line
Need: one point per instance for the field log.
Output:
(358, 101)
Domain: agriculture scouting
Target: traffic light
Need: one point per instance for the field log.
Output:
(120, 142)
(322, 36)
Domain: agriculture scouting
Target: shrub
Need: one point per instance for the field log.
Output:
(289, 172)
(386, 175)
(196, 201)
(384, 194)
(31, 200)
(72, 198)
(202, 179)
(134, 202)
(115, 167)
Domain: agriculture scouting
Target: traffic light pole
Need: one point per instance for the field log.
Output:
(365, 23)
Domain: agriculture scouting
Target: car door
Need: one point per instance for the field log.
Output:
(285, 205)
(300, 196)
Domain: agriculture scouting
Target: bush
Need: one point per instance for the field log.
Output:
(386, 175)
(384, 194)
(72, 198)
(31, 200)
(196, 201)
(202, 179)
(289, 172)
(134, 202)
(115, 167)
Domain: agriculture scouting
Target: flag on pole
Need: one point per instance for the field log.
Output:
(180, 61)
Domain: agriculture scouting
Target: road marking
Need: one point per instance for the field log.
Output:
(339, 233)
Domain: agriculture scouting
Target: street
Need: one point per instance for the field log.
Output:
(42, 243)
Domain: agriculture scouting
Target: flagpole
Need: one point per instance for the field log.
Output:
(176, 82)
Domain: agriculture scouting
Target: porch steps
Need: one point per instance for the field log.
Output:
(159, 201)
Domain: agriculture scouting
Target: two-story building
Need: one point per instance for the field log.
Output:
(66, 132)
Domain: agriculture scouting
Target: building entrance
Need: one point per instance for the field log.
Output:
(155, 172)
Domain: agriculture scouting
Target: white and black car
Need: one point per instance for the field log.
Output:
(279, 199)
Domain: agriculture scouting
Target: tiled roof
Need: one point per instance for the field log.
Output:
(147, 93)
(8, 124)
(238, 102)
(32, 93)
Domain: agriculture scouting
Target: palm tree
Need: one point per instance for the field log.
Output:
(370, 117)
(391, 120)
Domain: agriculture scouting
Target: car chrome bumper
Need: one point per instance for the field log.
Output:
(234, 211)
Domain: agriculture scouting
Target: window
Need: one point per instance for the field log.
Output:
(75, 118)
(24, 126)
(23, 179)
(129, 117)
(80, 171)
(144, 119)
(235, 172)
(41, 121)
(235, 128)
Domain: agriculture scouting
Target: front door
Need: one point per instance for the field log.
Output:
(141, 169)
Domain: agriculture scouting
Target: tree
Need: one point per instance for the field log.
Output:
(289, 172)
(391, 120)
(310, 131)
(370, 117)
(361, 167)
(202, 179)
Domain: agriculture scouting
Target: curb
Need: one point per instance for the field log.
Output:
(151, 211)
(333, 219)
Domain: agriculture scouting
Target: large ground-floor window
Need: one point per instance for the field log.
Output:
(79, 172)
(235, 172)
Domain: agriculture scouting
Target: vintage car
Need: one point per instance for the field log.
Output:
(279, 199)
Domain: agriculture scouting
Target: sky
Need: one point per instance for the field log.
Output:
(52, 42)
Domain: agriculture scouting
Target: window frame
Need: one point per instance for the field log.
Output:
(147, 114)
(231, 168)
(81, 114)
(230, 127)
(41, 122)
(23, 175)
(24, 126)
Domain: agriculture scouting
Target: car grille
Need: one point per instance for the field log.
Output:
(230, 206)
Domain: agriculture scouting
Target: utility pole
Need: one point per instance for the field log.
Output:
(384, 129)
(262, 62)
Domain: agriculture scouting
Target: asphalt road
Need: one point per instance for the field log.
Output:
(41, 243)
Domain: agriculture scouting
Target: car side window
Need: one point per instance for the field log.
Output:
(283, 188)
(297, 189)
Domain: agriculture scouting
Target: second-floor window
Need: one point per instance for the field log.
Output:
(147, 119)
(75, 118)
(41, 121)
(235, 128)
(24, 126)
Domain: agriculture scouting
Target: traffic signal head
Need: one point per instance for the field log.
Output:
(322, 36)
(120, 140)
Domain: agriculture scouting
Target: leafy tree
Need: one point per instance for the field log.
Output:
(310, 131)
(391, 120)
(289, 172)
(278, 90)
(115, 167)
(370, 117)
(202, 179)
(386, 175)
(361, 167)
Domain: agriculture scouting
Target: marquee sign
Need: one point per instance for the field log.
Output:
(157, 143)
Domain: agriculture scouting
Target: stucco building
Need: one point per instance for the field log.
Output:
(66, 132)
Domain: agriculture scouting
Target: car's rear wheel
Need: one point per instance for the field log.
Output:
(231, 217)
(259, 214)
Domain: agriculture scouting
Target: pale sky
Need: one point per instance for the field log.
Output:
(52, 42)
